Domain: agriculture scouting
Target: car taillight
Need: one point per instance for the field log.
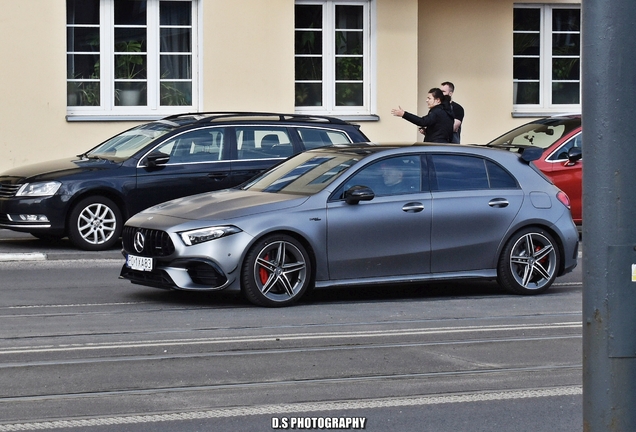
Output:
(564, 198)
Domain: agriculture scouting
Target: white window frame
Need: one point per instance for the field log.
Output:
(545, 105)
(108, 110)
(329, 61)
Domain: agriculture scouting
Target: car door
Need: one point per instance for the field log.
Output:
(197, 163)
(387, 236)
(566, 175)
(474, 201)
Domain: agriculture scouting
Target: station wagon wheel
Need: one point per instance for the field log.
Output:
(529, 262)
(95, 223)
(276, 271)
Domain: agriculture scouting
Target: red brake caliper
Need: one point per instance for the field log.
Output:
(262, 272)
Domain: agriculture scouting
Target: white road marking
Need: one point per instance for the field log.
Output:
(295, 408)
(286, 337)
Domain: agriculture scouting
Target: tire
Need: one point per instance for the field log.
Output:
(529, 262)
(95, 224)
(276, 271)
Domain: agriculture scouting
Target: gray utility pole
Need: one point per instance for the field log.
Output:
(609, 215)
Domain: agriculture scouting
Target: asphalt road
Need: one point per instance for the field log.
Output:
(82, 350)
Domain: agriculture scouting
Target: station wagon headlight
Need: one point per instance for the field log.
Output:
(39, 189)
(202, 235)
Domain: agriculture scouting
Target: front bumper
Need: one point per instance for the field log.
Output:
(33, 214)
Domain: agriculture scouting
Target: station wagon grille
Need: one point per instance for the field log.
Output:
(8, 190)
(155, 243)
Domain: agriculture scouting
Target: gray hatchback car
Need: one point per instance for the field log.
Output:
(360, 215)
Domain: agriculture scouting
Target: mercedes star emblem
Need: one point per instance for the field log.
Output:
(138, 243)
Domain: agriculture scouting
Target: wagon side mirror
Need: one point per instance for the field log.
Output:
(355, 194)
(156, 159)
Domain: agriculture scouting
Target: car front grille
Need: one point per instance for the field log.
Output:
(155, 243)
(8, 190)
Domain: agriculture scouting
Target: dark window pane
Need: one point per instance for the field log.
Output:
(83, 93)
(565, 93)
(526, 68)
(349, 17)
(176, 40)
(175, 67)
(130, 12)
(308, 42)
(308, 94)
(82, 39)
(349, 42)
(175, 13)
(349, 94)
(349, 68)
(130, 93)
(308, 16)
(499, 177)
(566, 44)
(82, 11)
(130, 40)
(176, 93)
(526, 19)
(526, 93)
(130, 66)
(566, 20)
(565, 69)
(308, 68)
(455, 173)
(82, 66)
(526, 44)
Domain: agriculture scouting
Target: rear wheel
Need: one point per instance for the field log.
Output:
(529, 262)
(95, 223)
(276, 271)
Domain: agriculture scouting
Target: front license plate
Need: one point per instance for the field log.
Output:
(139, 263)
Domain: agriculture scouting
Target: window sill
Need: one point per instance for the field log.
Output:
(543, 113)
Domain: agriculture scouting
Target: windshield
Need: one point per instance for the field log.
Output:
(130, 142)
(542, 133)
(305, 174)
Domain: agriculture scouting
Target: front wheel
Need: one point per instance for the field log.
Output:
(276, 271)
(529, 262)
(95, 224)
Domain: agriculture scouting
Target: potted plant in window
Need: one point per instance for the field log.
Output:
(128, 67)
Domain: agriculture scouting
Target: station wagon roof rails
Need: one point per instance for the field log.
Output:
(222, 115)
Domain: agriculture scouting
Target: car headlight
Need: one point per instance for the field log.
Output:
(39, 189)
(206, 234)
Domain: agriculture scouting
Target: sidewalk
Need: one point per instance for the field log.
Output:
(16, 246)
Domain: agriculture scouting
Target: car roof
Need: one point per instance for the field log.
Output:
(240, 116)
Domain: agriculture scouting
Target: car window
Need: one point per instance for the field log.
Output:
(201, 145)
(257, 142)
(461, 172)
(131, 141)
(542, 133)
(562, 152)
(391, 176)
(314, 138)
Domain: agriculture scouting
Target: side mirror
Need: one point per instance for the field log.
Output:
(574, 154)
(355, 194)
(156, 159)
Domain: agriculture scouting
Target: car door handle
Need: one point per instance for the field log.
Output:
(498, 202)
(217, 176)
(413, 207)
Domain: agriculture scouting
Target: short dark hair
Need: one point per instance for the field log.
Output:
(450, 85)
(439, 94)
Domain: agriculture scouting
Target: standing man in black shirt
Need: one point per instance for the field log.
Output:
(458, 111)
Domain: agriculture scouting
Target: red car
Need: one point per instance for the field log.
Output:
(560, 137)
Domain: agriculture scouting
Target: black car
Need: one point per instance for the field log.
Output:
(88, 197)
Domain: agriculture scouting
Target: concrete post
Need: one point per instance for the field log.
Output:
(609, 215)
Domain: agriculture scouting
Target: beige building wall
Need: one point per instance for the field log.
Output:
(247, 63)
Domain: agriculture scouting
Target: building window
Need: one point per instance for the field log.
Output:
(332, 57)
(547, 58)
(131, 57)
